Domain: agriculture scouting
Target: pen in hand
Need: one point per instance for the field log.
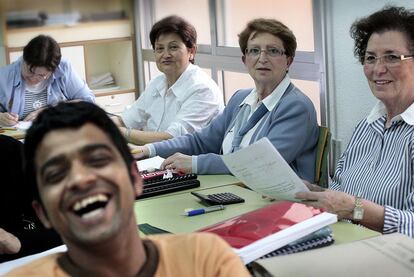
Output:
(3, 109)
(191, 212)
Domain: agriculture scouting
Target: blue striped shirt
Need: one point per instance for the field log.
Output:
(378, 165)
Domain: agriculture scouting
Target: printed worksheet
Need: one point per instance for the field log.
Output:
(261, 167)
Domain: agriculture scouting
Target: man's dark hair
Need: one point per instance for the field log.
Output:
(174, 25)
(42, 51)
(390, 18)
(69, 115)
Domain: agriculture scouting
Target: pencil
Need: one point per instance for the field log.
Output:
(3, 108)
(8, 128)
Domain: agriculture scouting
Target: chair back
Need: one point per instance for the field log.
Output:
(324, 141)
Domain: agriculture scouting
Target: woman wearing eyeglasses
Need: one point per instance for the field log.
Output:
(181, 100)
(274, 108)
(373, 184)
(38, 79)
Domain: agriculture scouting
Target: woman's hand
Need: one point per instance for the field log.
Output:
(336, 202)
(178, 162)
(8, 119)
(9, 244)
(139, 152)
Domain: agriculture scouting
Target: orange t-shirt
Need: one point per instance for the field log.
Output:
(197, 254)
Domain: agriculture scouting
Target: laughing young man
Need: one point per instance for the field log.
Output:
(83, 182)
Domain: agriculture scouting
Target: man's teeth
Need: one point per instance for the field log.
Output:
(92, 213)
(382, 82)
(89, 200)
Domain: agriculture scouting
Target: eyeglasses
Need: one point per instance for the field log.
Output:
(273, 52)
(170, 49)
(30, 74)
(389, 60)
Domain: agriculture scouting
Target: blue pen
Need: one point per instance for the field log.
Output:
(191, 212)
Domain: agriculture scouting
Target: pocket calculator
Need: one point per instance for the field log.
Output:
(223, 198)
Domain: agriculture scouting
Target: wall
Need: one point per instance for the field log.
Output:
(349, 97)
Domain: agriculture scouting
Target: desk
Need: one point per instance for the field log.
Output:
(17, 134)
(166, 213)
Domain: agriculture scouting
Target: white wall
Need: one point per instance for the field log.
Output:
(349, 97)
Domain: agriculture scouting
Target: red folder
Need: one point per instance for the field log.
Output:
(269, 228)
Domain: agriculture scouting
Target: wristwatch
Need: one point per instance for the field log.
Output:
(358, 212)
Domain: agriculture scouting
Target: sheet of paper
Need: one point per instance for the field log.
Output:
(154, 162)
(23, 125)
(7, 266)
(261, 167)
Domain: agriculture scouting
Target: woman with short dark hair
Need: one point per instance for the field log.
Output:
(38, 79)
(181, 100)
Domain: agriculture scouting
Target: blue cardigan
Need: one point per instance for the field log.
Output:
(291, 127)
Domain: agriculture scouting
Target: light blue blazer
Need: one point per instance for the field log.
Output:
(291, 127)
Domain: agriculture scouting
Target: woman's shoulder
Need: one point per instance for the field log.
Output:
(239, 96)
(196, 76)
(295, 100)
(293, 93)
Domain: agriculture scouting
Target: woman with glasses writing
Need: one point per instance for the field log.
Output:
(274, 108)
(373, 184)
(181, 100)
(38, 79)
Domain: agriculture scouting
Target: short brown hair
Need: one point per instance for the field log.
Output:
(390, 18)
(42, 51)
(271, 26)
(174, 25)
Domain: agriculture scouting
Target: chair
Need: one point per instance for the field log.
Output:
(321, 167)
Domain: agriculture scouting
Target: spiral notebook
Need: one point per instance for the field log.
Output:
(320, 238)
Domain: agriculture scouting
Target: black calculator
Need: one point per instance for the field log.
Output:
(223, 198)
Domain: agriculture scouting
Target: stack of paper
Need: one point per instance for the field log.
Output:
(102, 81)
(26, 18)
(63, 18)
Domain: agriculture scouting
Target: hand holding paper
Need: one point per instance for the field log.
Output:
(261, 167)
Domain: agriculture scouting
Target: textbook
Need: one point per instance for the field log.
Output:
(259, 232)
(384, 255)
(261, 167)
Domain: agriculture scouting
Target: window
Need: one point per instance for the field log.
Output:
(234, 14)
(194, 11)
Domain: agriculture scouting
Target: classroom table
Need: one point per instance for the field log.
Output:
(167, 212)
(16, 133)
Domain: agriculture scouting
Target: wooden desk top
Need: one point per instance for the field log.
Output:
(17, 134)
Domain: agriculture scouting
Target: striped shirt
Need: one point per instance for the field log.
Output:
(35, 97)
(378, 165)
